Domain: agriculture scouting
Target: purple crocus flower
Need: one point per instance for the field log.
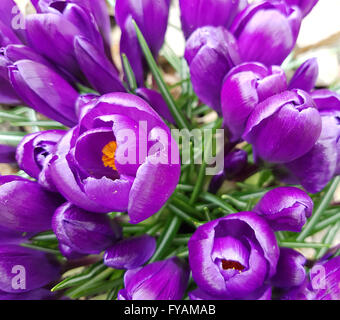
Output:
(267, 32)
(305, 76)
(121, 157)
(152, 19)
(210, 52)
(233, 257)
(200, 13)
(284, 127)
(130, 253)
(52, 34)
(7, 154)
(234, 163)
(317, 167)
(290, 271)
(23, 269)
(55, 99)
(82, 231)
(97, 8)
(26, 206)
(35, 152)
(244, 88)
(285, 208)
(161, 280)
(322, 284)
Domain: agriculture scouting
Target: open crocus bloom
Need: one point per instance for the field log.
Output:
(233, 257)
(121, 157)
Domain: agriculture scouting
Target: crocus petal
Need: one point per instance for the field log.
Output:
(7, 154)
(39, 268)
(161, 280)
(157, 102)
(200, 13)
(305, 76)
(278, 121)
(266, 32)
(152, 187)
(98, 70)
(44, 90)
(130, 253)
(25, 205)
(290, 269)
(285, 208)
(210, 52)
(82, 231)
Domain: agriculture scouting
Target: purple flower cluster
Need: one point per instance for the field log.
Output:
(116, 162)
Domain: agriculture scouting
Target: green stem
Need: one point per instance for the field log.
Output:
(166, 238)
(179, 117)
(216, 200)
(183, 215)
(320, 209)
(328, 239)
(129, 73)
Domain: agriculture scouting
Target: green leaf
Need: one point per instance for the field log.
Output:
(129, 73)
(293, 245)
(177, 114)
(326, 199)
(11, 138)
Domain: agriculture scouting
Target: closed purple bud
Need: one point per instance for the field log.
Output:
(157, 102)
(25, 206)
(56, 99)
(200, 13)
(97, 68)
(244, 88)
(317, 167)
(290, 270)
(305, 76)
(83, 231)
(35, 152)
(267, 32)
(52, 34)
(23, 269)
(284, 127)
(210, 52)
(161, 280)
(7, 154)
(285, 208)
(152, 19)
(130, 253)
(232, 257)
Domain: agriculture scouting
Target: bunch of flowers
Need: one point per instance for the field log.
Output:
(121, 177)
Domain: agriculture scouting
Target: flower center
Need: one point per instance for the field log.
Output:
(229, 264)
(108, 157)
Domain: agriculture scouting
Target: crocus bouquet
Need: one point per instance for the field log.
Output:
(126, 186)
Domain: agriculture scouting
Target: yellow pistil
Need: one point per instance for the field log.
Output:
(108, 157)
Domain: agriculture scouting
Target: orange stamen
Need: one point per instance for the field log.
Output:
(108, 157)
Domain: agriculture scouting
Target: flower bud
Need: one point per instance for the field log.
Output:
(284, 127)
(83, 231)
(285, 208)
(161, 280)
